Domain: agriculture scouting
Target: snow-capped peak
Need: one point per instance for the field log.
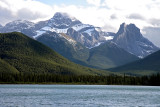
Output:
(62, 21)
(59, 15)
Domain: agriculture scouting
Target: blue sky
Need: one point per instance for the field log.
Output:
(66, 2)
(107, 14)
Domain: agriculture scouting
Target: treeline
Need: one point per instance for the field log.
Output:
(35, 78)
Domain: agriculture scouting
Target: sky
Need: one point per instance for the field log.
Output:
(107, 14)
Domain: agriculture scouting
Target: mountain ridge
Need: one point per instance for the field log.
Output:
(26, 55)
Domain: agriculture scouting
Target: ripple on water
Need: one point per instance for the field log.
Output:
(78, 95)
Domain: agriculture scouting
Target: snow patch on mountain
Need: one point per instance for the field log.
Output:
(78, 27)
(96, 45)
(39, 33)
(89, 31)
(47, 28)
(108, 37)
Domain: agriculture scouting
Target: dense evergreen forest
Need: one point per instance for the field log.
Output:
(34, 78)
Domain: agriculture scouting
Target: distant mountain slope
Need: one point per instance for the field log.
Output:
(148, 65)
(108, 55)
(27, 55)
(130, 39)
(65, 45)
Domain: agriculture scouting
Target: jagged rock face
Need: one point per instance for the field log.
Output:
(130, 39)
(75, 35)
(87, 35)
(89, 40)
(62, 21)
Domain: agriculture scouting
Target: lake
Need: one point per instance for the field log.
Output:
(78, 96)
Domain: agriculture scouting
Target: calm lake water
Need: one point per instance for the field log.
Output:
(78, 95)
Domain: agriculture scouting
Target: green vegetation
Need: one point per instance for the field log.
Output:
(147, 66)
(35, 78)
(6, 68)
(19, 53)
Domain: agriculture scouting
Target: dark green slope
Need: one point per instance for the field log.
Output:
(109, 55)
(28, 55)
(146, 66)
(6, 67)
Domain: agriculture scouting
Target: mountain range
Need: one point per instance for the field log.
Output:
(19, 53)
(85, 44)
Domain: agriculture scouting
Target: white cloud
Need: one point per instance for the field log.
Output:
(132, 10)
(153, 34)
(94, 2)
(23, 9)
(108, 14)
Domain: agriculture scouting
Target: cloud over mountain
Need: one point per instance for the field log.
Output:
(23, 9)
(102, 13)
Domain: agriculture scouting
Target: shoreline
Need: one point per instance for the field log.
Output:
(69, 84)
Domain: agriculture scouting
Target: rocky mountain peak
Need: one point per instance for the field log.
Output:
(122, 28)
(130, 39)
(128, 28)
(62, 20)
(59, 15)
(128, 33)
